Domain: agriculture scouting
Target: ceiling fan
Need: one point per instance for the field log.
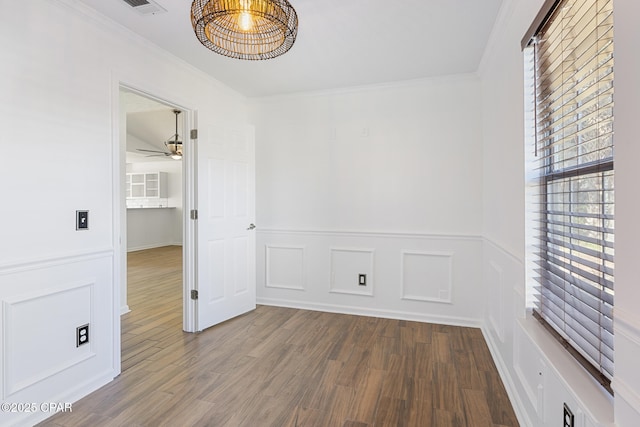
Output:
(173, 144)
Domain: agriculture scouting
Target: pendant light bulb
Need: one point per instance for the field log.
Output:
(245, 20)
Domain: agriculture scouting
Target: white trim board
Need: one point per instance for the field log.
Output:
(372, 233)
(373, 312)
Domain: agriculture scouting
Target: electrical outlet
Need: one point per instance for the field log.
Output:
(82, 220)
(567, 417)
(82, 335)
(362, 279)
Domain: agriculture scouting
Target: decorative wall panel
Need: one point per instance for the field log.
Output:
(348, 265)
(27, 334)
(427, 276)
(285, 267)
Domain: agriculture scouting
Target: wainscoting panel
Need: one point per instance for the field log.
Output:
(285, 267)
(627, 348)
(347, 265)
(538, 373)
(26, 333)
(495, 305)
(529, 370)
(427, 276)
(42, 303)
(422, 277)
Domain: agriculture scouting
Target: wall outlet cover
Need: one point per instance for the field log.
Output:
(568, 419)
(82, 335)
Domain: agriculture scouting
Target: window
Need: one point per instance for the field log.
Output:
(570, 50)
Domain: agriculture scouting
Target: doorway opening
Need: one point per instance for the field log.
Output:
(153, 217)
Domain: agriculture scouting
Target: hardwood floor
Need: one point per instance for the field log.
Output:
(283, 367)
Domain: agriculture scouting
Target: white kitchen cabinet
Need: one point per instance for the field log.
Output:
(147, 185)
(146, 189)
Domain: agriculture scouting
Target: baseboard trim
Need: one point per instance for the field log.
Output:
(124, 309)
(69, 397)
(507, 380)
(151, 246)
(370, 312)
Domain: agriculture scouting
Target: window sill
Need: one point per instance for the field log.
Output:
(590, 395)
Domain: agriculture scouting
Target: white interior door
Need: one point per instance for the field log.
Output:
(225, 270)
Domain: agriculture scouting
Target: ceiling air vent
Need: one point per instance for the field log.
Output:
(145, 7)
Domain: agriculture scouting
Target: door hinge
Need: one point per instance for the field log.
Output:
(194, 294)
(194, 214)
(194, 134)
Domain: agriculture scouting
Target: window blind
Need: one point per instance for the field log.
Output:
(573, 167)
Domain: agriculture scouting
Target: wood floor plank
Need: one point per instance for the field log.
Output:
(355, 368)
(368, 396)
(320, 397)
(465, 363)
(304, 417)
(447, 391)
(420, 413)
(477, 409)
(282, 367)
(424, 361)
(392, 412)
(342, 400)
(397, 384)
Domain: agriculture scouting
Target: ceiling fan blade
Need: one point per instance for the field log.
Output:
(154, 151)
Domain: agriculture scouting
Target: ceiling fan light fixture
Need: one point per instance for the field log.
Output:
(245, 29)
(174, 147)
(174, 144)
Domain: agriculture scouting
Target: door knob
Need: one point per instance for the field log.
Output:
(251, 226)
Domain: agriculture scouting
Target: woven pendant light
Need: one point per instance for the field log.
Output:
(245, 29)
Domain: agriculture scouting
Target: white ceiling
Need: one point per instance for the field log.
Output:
(341, 43)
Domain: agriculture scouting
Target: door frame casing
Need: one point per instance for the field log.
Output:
(119, 206)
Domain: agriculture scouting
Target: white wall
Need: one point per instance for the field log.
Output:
(61, 66)
(539, 374)
(385, 181)
(152, 228)
(626, 382)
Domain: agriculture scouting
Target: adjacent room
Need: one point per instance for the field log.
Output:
(338, 213)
